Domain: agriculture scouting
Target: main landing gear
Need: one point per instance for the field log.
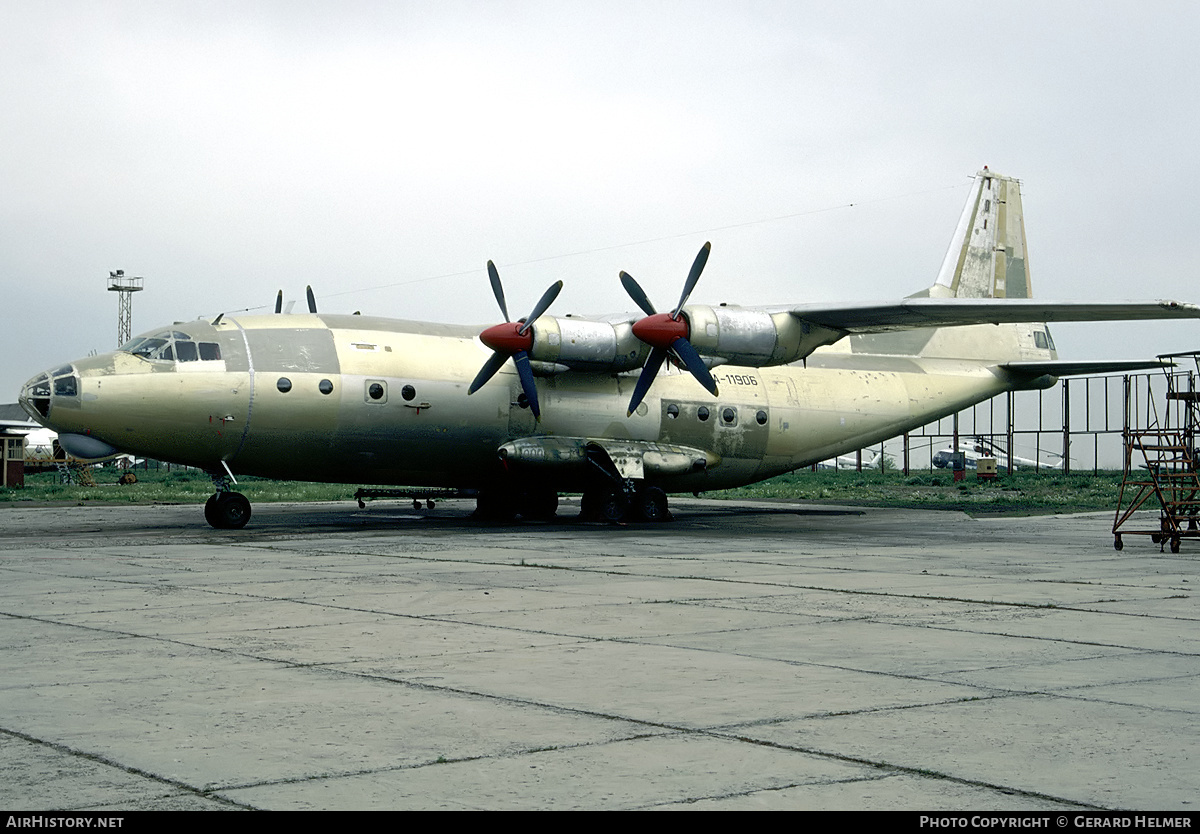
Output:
(226, 510)
(602, 502)
(503, 505)
(625, 503)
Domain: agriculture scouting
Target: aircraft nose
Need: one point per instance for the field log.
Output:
(35, 397)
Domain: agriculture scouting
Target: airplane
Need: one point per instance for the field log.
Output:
(851, 462)
(624, 410)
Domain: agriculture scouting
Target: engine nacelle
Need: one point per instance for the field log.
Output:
(747, 337)
(587, 345)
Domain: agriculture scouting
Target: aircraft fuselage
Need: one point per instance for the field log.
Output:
(375, 401)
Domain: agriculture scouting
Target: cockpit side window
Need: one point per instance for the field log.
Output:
(186, 351)
(171, 347)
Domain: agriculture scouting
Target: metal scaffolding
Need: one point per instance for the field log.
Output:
(1160, 458)
(125, 288)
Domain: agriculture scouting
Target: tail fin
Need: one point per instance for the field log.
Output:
(987, 256)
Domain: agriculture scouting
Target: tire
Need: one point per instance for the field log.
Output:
(227, 511)
(652, 504)
(210, 511)
(539, 505)
(615, 507)
(495, 507)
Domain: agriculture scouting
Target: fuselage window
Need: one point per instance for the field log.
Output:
(702, 413)
(408, 392)
(284, 385)
(672, 411)
(376, 391)
(728, 417)
(761, 417)
(325, 386)
(1039, 340)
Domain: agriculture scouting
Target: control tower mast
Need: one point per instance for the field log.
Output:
(118, 283)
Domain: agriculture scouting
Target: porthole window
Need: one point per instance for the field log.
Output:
(284, 385)
(728, 416)
(702, 413)
(325, 386)
(408, 392)
(376, 391)
(672, 411)
(761, 417)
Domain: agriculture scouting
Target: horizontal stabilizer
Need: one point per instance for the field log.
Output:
(948, 312)
(1067, 367)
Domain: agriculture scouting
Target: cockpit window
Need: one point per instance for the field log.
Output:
(186, 351)
(172, 346)
(146, 348)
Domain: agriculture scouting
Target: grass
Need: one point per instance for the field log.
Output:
(1020, 493)
(177, 486)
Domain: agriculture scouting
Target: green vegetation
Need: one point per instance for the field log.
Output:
(1021, 493)
(160, 486)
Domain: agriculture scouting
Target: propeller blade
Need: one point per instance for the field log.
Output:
(543, 304)
(488, 371)
(693, 277)
(525, 371)
(279, 303)
(497, 289)
(637, 293)
(684, 350)
(513, 339)
(312, 300)
(646, 379)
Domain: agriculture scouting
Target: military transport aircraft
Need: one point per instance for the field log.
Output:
(624, 410)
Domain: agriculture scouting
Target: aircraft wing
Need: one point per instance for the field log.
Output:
(948, 312)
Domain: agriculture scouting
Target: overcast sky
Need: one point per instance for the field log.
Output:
(384, 151)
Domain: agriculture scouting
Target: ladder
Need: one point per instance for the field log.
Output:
(1160, 460)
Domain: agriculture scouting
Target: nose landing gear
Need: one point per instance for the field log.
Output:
(226, 510)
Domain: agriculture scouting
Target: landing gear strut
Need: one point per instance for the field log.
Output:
(226, 510)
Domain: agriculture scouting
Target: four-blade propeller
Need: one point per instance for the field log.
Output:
(667, 333)
(513, 338)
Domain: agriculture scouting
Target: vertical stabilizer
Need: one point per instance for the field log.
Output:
(987, 257)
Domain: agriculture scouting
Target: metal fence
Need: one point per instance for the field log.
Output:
(1076, 426)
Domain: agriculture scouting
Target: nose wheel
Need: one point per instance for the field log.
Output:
(227, 511)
